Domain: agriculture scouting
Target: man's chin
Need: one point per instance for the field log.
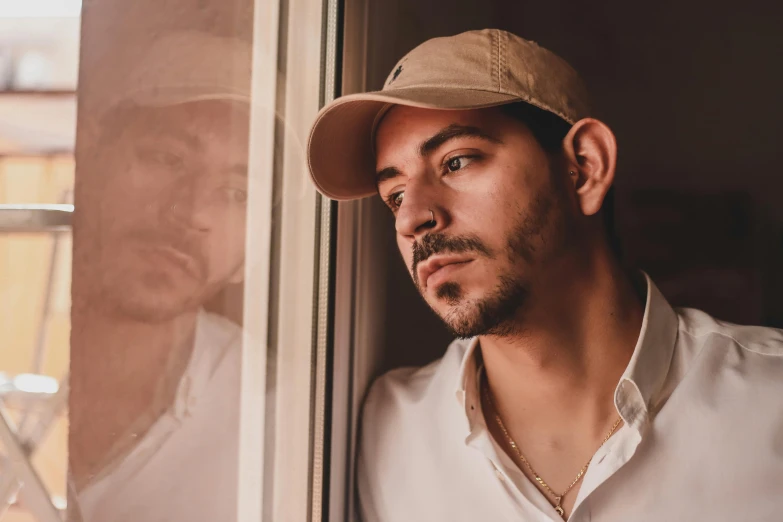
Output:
(461, 316)
(463, 326)
(472, 324)
(140, 303)
(467, 316)
(153, 313)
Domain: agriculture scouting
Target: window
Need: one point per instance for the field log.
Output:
(194, 333)
(38, 70)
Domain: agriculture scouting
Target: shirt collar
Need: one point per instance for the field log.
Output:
(646, 372)
(214, 336)
(468, 387)
(640, 383)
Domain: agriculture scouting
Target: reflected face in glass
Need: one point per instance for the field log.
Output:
(173, 207)
(499, 210)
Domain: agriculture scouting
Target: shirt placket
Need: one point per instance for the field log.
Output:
(527, 503)
(606, 462)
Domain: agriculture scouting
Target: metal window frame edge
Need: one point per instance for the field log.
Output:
(359, 294)
(321, 421)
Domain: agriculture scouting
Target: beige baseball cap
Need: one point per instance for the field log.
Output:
(471, 70)
(187, 66)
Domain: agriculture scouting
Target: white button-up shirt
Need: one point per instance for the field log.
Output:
(702, 402)
(186, 466)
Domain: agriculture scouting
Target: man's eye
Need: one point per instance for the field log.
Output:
(237, 195)
(458, 162)
(395, 200)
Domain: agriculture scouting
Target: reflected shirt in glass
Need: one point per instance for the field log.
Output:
(185, 467)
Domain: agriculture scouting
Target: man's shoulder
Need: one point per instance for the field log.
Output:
(404, 390)
(405, 414)
(700, 327)
(403, 400)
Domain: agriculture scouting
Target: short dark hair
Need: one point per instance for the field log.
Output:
(550, 130)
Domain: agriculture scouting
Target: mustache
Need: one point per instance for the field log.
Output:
(440, 243)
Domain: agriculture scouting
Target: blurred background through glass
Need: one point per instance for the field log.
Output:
(39, 53)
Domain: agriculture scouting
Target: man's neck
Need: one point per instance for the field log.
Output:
(126, 373)
(561, 367)
(126, 349)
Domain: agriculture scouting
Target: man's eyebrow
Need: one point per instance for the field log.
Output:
(447, 134)
(384, 174)
(451, 132)
(190, 140)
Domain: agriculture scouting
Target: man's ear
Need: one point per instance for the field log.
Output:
(591, 156)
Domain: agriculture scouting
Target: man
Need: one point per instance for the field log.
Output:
(574, 390)
(155, 396)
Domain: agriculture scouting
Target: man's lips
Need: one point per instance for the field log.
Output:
(176, 257)
(437, 268)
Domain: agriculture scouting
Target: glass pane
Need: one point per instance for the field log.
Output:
(190, 383)
(163, 192)
(39, 52)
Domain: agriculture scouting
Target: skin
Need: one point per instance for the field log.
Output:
(529, 269)
(176, 217)
(166, 233)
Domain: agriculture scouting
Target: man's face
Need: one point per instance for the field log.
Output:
(502, 212)
(171, 230)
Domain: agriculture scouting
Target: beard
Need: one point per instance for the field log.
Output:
(126, 282)
(150, 296)
(499, 312)
(493, 315)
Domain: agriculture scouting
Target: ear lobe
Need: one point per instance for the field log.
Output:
(591, 153)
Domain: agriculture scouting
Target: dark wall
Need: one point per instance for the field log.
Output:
(691, 90)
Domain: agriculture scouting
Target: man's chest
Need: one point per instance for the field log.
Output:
(675, 479)
(185, 468)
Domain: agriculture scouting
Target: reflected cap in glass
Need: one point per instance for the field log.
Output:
(189, 66)
(472, 70)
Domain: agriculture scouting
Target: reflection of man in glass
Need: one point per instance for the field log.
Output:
(156, 378)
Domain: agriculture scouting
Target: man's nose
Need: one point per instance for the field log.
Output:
(188, 205)
(420, 211)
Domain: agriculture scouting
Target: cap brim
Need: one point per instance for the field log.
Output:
(340, 149)
(177, 95)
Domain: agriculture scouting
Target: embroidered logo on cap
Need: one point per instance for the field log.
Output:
(396, 74)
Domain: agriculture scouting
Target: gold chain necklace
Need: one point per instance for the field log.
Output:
(557, 498)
